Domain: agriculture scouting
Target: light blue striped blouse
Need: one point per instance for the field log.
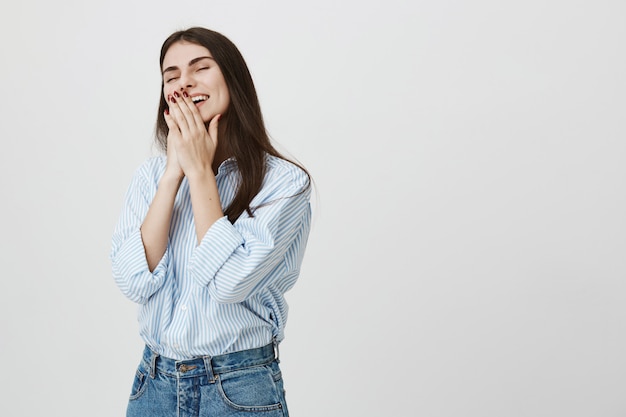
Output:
(227, 293)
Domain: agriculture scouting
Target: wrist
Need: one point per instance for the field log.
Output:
(171, 178)
(200, 175)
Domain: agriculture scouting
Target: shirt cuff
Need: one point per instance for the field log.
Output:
(132, 272)
(217, 245)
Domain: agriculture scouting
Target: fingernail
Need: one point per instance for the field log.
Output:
(176, 94)
(172, 99)
(185, 94)
(167, 112)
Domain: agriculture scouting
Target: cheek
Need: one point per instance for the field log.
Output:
(167, 91)
(225, 95)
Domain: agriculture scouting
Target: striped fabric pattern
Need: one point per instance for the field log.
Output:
(227, 293)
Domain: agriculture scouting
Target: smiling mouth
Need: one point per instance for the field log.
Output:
(199, 99)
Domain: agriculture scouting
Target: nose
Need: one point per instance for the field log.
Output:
(186, 80)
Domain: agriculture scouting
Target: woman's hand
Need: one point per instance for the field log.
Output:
(195, 146)
(172, 167)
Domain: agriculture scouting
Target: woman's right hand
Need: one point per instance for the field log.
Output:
(173, 166)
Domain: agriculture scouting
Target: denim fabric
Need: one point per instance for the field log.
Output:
(246, 383)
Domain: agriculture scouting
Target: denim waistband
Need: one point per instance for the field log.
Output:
(208, 365)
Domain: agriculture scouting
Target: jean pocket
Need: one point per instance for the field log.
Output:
(139, 383)
(252, 389)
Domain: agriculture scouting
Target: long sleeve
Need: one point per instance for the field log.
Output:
(128, 258)
(234, 261)
(226, 293)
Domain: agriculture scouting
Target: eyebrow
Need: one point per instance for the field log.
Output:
(193, 61)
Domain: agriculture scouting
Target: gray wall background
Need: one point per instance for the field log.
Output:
(467, 255)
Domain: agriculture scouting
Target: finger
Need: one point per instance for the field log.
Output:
(174, 131)
(196, 120)
(177, 113)
(183, 105)
(169, 120)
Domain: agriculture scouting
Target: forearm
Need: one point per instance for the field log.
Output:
(155, 228)
(205, 202)
(235, 260)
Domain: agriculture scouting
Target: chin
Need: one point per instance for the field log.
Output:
(206, 118)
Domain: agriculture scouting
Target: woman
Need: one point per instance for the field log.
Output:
(210, 238)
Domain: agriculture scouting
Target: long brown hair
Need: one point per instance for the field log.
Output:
(244, 137)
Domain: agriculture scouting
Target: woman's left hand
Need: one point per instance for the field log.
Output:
(195, 146)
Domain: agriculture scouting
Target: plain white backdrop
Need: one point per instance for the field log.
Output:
(467, 256)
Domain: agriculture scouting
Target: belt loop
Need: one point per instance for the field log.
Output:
(276, 351)
(209, 369)
(153, 364)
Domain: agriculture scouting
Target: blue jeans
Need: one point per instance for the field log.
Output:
(246, 383)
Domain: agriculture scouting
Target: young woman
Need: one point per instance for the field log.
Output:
(211, 236)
